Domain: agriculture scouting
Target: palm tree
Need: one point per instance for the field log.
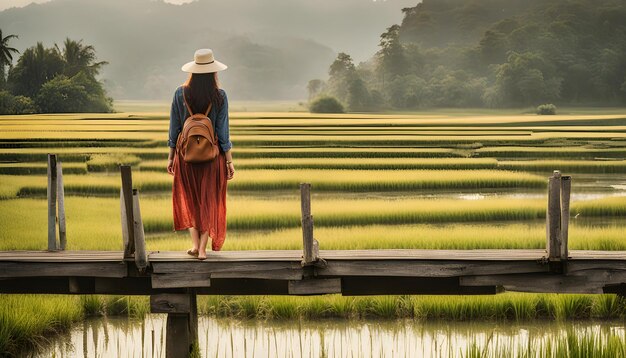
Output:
(6, 53)
(79, 57)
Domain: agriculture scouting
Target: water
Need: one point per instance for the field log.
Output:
(220, 337)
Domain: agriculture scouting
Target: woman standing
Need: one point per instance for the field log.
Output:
(199, 189)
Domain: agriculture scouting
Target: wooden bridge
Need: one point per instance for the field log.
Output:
(173, 279)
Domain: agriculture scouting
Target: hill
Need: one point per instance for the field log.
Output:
(271, 46)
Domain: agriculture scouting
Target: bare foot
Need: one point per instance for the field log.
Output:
(202, 256)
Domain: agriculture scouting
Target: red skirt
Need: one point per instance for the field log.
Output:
(199, 197)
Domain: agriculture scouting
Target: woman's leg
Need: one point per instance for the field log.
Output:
(195, 240)
(204, 239)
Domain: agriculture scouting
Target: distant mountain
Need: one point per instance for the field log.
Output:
(272, 47)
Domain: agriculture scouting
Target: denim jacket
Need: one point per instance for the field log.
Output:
(218, 116)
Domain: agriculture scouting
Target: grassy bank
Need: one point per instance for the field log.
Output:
(508, 306)
(28, 322)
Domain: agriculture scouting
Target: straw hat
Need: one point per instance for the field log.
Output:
(203, 62)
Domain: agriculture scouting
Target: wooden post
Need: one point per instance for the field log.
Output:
(52, 202)
(308, 243)
(553, 217)
(141, 258)
(126, 202)
(566, 187)
(557, 220)
(182, 321)
(61, 195)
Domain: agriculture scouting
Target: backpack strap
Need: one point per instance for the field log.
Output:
(187, 104)
(206, 114)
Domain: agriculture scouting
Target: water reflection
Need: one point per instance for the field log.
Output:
(121, 337)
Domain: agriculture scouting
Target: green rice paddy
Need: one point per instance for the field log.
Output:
(378, 182)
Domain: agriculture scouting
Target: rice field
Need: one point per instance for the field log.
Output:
(428, 181)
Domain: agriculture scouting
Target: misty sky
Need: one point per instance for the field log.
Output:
(5, 4)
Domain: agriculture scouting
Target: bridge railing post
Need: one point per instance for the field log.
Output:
(56, 205)
(557, 217)
(132, 224)
(310, 246)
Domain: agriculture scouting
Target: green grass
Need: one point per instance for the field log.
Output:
(77, 154)
(572, 152)
(339, 155)
(571, 166)
(352, 163)
(110, 162)
(264, 180)
(503, 307)
(40, 168)
(28, 322)
(340, 224)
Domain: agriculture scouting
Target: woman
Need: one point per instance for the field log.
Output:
(199, 190)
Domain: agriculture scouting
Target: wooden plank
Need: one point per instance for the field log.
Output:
(50, 269)
(194, 267)
(125, 227)
(179, 279)
(403, 268)
(127, 194)
(308, 256)
(258, 270)
(590, 281)
(384, 254)
(373, 285)
(293, 256)
(315, 286)
(61, 200)
(566, 188)
(553, 217)
(170, 303)
(141, 258)
(52, 202)
(61, 256)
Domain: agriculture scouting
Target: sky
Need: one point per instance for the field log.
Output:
(5, 4)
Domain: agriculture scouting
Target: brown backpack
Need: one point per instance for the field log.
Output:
(197, 142)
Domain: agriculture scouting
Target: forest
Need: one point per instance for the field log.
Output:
(51, 80)
(489, 53)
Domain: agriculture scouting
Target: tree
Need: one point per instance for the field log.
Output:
(10, 104)
(341, 72)
(81, 93)
(62, 95)
(79, 57)
(326, 104)
(358, 95)
(522, 80)
(6, 55)
(493, 47)
(315, 88)
(36, 66)
(391, 56)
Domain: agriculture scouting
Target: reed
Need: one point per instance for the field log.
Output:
(503, 307)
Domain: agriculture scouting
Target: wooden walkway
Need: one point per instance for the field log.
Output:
(173, 279)
(349, 272)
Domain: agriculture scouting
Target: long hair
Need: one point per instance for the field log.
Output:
(199, 89)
